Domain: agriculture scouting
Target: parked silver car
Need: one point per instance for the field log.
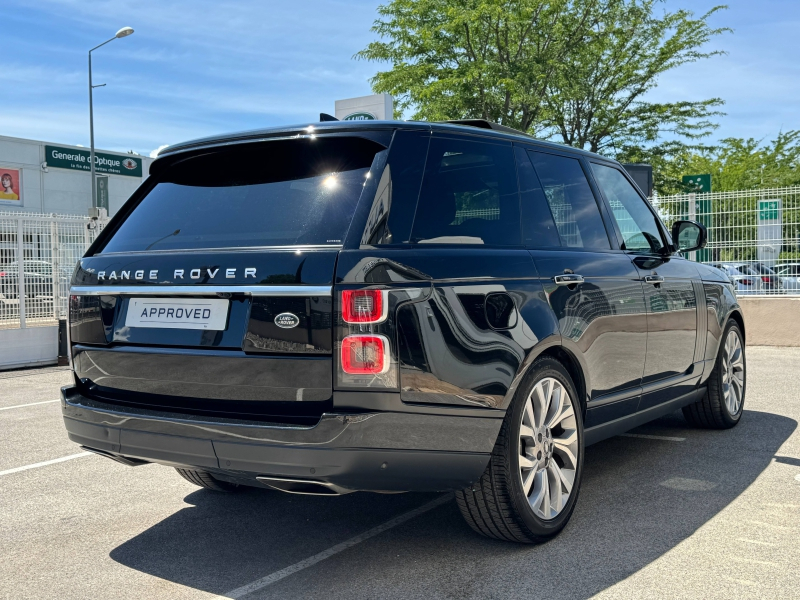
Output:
(772, 283)
(745, 279)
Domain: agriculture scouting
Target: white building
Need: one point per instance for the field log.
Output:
(42, 177)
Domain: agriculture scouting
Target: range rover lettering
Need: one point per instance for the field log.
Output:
(394, 306)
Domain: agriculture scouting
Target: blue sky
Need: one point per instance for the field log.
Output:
(196, 68)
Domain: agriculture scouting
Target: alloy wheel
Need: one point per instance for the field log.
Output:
(733, 373)
(548, 448)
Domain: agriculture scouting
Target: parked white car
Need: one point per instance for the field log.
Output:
(789, 274)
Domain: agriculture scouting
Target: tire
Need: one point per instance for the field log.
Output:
(497, 505)
(722, 405)
(204, 479)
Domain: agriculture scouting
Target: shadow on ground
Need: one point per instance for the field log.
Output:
(639, 499)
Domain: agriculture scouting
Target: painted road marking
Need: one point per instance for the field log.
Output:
(319, 557)
(665, 438)
(31, 404)
(763, 524)
(756, 542)
(767, 563)
(45, 463)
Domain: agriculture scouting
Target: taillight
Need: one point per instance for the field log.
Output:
(2, 273)
(365, 355)
(746, 281)
(365, 339)
(364, 306)
(766, 279)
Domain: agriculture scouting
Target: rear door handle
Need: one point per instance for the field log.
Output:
(654, 279)
(570, 279)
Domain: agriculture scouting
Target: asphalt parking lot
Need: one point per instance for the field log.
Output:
(668, 511)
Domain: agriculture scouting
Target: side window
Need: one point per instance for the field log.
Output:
(392, 210)
(469, 195)
(636, 222)
(538, 228)
(571, 201)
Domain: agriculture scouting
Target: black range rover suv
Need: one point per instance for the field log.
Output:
(394, 306)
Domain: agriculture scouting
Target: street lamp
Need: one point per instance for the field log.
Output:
(124, 32)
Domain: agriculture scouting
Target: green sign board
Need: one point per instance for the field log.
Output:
(360, 116)
(702, 214)
(78, 160)
(101, 185)
(700, 184)
(768, 210)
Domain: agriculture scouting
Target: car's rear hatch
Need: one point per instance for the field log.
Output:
(211, 292)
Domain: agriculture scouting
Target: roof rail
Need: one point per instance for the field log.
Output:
(484, 124)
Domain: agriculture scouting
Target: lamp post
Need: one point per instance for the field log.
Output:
(124, 32)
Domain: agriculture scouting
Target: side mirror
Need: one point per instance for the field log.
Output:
(688, 236)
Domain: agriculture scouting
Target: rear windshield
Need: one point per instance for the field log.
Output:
(281, 193)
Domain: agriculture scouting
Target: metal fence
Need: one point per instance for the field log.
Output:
(753, 235)
(37, 256)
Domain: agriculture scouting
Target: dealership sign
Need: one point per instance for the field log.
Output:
(360, 116)
(78, 160)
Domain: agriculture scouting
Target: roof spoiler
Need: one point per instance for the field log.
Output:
(484, 124)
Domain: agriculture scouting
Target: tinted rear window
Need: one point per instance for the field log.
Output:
(280, 193)
(469, 195)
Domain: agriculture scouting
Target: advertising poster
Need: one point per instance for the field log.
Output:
(10, 185)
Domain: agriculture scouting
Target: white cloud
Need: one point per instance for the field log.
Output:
(154, 153)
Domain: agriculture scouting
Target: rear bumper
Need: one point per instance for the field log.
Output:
(380, 451)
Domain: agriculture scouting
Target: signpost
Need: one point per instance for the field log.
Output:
(78, 160)
(770, 234)
(101, 188)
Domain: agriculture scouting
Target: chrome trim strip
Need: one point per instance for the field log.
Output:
(295, 248)
(194, 290)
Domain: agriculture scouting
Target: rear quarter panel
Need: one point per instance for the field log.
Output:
(448, 355)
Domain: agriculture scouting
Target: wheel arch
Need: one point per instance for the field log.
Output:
(573, 367)
(737, 316)
(568, 360)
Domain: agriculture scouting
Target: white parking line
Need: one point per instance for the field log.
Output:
(756, 542)
(763, 524)
(766, 563)
(665, 438)
(319, 557)
(31, 404)
(45, 463)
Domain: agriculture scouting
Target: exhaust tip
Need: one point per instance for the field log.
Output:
(125, 460)
(304, 487)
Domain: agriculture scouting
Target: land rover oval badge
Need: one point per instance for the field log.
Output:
(287, 320)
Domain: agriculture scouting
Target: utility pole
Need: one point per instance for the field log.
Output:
(124, 32)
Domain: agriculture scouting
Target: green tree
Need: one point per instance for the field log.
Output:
(574, 70)
(486, 59)
(734, 163)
